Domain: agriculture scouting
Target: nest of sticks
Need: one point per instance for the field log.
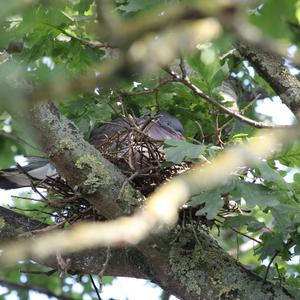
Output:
(138, 156)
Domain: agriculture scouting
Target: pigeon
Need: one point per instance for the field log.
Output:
(161, 127)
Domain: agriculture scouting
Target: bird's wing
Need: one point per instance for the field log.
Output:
(37, 168)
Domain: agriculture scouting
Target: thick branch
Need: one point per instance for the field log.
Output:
(271, 67)
(81, 164)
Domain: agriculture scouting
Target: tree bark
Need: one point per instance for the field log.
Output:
(271, 67)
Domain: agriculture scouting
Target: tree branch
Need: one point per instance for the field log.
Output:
(185, 81)
(81, 164)
(271, 67)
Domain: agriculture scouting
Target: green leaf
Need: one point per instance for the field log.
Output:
(256, 194)
(201, 84)
(212, 200)
(220, 75)
(205, 63)
(271, 242)
(137, 5)
(178, 151)
(272, 17)
(271, 175)
(241, 220)
(289, 156)
(284, 215)
(83, 6)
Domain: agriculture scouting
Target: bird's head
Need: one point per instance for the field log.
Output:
(165, 127)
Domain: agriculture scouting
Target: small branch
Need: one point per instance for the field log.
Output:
(281, 279)
(48, 273)
(219, 106)
(90, 44)
(165, 295)
(95, 287)
(242, 111)
(182, 67)
(126, 181)
(26, 286)
(104, 266)
(17, 139)
(269, 265)
(246, 235)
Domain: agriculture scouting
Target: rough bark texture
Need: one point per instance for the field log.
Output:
(188, 264)
(81, 164)
(271, 67)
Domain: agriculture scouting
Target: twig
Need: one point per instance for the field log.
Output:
(104, 266)
(279, 275)
(126, 181)
(193, 229)
(182, 67)
(45, 229)
(243, 110)
(220, 107)
(63, 264)
(245, 235)
(90, 44)
(95, 287)
(47, 273)
(269, 265)
(101, 273)
(201, 131)
(237, 247)
(18, 139)
(27, 198)
(32, 179)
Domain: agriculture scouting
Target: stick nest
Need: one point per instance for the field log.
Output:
(138, 156)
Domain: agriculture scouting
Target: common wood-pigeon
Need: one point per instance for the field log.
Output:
(161, 127)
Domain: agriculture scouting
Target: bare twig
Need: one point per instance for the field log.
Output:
(242, 111)
(90, 44)
(17, 139)
(246, 235)
(46, 273)
(182, 67)
(281, 279)
(104, 266)
(269, 265)
(95, 287)
(218, 105)
(126, 181)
